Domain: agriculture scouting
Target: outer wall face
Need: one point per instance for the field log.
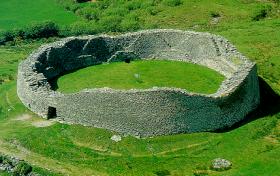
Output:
(150, 112)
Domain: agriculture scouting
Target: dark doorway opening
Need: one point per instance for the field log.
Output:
(127, 60)
(51, 113)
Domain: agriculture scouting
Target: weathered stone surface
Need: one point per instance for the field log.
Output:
(148, 112)
(15, 166)
(116, 138)
(220, 164)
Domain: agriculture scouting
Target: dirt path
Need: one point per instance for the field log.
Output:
(98, 149)
(37, 122)
(43, 123)
(23, 117)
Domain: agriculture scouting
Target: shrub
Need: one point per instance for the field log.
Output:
(150, 26)
(2, 39)
(41, 30)
(80, 1)
(262, 12)
(79, 28)
(130, 23)
(7, 36)
(215, 14)
(265, 128)
(89, 13)
(10, 77)
(153, 10)
(1, 157)
(7, 161)
(172, 3)
(22, 168)
(200, 173)
(133, 5)
(102, 5)
(162, 173)
(110, 23)
(116, 11)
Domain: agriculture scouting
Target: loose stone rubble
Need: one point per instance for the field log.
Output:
(220, 164)
(15, 166)
(116, 138)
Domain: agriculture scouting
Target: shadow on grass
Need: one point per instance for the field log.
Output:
(53, 81)
(269, 105)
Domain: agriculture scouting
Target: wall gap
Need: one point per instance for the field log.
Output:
(51, 112)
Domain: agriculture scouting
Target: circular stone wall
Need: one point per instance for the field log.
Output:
(148, 112)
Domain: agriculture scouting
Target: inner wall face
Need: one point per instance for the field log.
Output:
(149, 112)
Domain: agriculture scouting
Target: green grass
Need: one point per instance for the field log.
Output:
(253, 148)
(72, 149)
(4, 173)
(18, 14)
(143, 75)
(123, 15)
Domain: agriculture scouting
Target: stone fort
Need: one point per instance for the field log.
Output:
(141, 112)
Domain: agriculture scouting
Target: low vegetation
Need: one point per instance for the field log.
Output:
(143, 75)
(252, 146)
(34, 31)
(18, 14)
(122, 15)
(12, 166)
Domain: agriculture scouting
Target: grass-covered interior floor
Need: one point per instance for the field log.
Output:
(142, 74)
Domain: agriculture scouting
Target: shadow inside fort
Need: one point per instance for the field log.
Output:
(269, 105)
(53, 83)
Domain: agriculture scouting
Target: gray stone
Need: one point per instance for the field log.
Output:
(220, 164)
(9, 164)
(141, 112)
(116, 138)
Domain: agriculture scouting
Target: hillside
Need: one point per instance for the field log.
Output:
(16, 13)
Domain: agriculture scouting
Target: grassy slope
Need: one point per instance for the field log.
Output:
(197, 14)
(4, 174)
(17, 13)
(120, 75)
(253, 148)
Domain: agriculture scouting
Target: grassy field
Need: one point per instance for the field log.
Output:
(253, 146)
(123, 15)
(17, 13)
(76, 150)
(143, 75)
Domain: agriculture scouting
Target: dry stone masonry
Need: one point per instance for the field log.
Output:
(148, 112)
